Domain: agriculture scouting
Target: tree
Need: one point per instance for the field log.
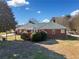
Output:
(7, 20)
(68, 16)
(66, 22)
(33, 21)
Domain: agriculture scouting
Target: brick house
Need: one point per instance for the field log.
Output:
(52, 29)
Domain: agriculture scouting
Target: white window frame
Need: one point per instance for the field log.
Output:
(62, 31)
(53, 31)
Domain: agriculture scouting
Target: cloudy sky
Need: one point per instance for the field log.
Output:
(42, 10)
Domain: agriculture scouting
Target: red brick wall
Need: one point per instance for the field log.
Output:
(57, 31)
(51, 34)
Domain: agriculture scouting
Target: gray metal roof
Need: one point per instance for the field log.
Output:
(28, 26)
(50, 25)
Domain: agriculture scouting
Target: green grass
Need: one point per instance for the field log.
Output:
(40, 56)
(68, 37)
(5, 44)
(11, 38)
(2, 33)
(35, 56)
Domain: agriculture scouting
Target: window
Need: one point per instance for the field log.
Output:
(53, 31)
(62, 31)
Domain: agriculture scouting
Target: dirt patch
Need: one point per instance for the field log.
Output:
(68, 48)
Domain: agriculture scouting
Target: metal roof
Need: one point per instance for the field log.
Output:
(28, 26)
(50, 25)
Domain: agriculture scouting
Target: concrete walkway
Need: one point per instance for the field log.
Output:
(73, 35)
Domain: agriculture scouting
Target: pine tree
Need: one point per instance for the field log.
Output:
(7, 20)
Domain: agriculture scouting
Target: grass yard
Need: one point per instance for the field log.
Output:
(51, 49)
(2, 33)
(59, 49)
(11, 38)
(26, 50)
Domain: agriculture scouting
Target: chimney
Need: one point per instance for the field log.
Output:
(53, 20)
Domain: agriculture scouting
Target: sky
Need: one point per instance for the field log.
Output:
(42, 10)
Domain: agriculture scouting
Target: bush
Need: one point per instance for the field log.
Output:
(25, 36)
(68, 37)
(39, 36)
(36, 37)
(43, 35)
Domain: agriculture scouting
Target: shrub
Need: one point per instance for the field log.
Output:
(68, 37)
(43, 35)
(25, 36)
(39, 36)
(36, 37)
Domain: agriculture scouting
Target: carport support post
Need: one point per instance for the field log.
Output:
(15, 34)
(5, 31)
(65, 33)
(6, 35)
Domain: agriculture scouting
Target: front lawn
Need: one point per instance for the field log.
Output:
(19, 53)
(11, 38)
(2, 33)
(26, 50)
